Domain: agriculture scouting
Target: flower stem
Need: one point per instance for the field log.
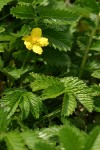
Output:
(88, 47)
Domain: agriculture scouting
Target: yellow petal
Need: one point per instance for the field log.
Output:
(37, 49)
(36, 32)
(43, 41)
(27, 38)
(28, 45)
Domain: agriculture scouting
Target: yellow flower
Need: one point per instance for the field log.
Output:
(35, 41)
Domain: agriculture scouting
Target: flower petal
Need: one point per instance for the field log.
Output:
(37, 49)
(36, 32)
(28, 45)
(43, 41)
(27, 38)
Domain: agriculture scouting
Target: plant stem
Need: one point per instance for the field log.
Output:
(88, 47)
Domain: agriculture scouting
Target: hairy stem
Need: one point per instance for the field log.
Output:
(88, 47)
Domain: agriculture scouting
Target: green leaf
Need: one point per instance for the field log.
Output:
(59, 39)
(44, 146)
(67, 15)
(69, 104)
(11, 101)
(62, 59)
(26, 100)
(30, 139)
(83, 11)
(2, 29)
(95, 90)
(53, 91)
(95, 46)
(25, 106)
(4, 122)
(3, 3)
(48, 134)
(90, 3)
(23, 12)
(93, 141)
(35, 103)
(96, 74)
(25, 2)
(42, 81)
(14, 141)
(25, 30)
(4, 37)
(15, 73)
(78, 88)
(71, 138)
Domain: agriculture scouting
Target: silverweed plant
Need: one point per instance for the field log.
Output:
(49, 74)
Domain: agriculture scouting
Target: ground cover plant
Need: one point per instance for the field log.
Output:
(49, 75)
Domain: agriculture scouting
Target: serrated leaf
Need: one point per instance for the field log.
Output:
(42, 81)
(44, 146)
(71, 138)
(35, 103)
(4, 122)
(3, 3)
(62, 59)
(11, 101)
(90, 3)
(30, 139)
(83, 11)
(25, 2)
(27, 101)
(79, 89)
(5, 37)
(14, 141)
(95, 90)
(15, 73)
(23, 12)
(58, 39)
(48, 133)
(13, 109)
(93, 141)
(95, 46)
(53, 91)
(25, 106)
(67, 15)
(96, 74)
(69, 104)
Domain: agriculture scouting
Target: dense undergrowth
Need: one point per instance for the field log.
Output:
(49, 75)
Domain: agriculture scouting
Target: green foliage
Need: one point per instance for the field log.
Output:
(27, 102)
(50, 101)
(78, 88)
(93, 141)
(3, 3)
(14, 141)
(75, 88)
(90, 3)
(23, 12)
(96, 74)
(67, 15)
(71, 138)
(69, 104)
(4, 122)
(58, 39)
